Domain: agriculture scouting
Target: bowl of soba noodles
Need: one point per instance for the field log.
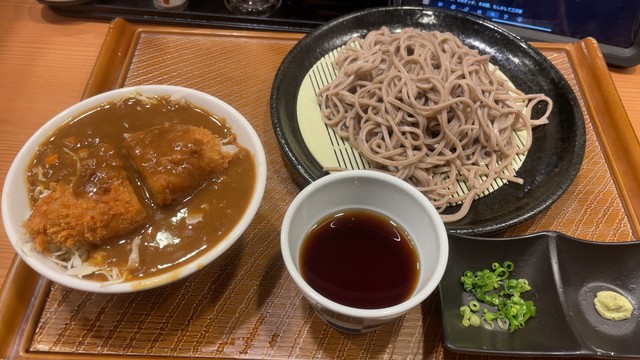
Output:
(133, 189)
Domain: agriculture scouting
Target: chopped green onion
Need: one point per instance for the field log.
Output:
(488, 324)
(474, 320)
(496, 289)
(503, 323)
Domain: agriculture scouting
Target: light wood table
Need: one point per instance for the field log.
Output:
(45, 61)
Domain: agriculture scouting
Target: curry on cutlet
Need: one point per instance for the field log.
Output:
(97, 203)
(176, 159)
(136, 187)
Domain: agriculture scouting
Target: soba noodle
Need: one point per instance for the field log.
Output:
(427, 109)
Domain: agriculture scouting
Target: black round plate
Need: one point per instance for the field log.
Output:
(558, 147)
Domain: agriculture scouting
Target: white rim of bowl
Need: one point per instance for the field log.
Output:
(196, 97)
(387, 312)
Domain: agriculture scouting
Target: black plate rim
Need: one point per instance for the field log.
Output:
(312, 55)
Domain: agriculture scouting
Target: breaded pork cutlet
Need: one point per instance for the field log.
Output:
(176, 160)
(98, 204)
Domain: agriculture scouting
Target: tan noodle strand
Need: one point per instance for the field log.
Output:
(424, 107)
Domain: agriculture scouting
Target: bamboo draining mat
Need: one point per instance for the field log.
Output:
(244, 305)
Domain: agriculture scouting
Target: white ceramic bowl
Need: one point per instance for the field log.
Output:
(16, 207)
(385, 194)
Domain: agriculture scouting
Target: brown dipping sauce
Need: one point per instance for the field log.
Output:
(361, 259)
(177, 232)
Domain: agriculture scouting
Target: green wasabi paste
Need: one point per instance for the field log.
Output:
(612, 306)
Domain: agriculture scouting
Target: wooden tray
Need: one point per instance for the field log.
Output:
(244, 305)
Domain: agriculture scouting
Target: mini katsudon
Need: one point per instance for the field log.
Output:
(135, 187)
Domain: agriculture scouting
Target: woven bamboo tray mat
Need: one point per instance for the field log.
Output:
(244, 305)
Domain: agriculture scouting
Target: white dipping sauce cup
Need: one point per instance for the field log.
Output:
(382, 193)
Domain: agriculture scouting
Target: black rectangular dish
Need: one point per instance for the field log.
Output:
(565, 274)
